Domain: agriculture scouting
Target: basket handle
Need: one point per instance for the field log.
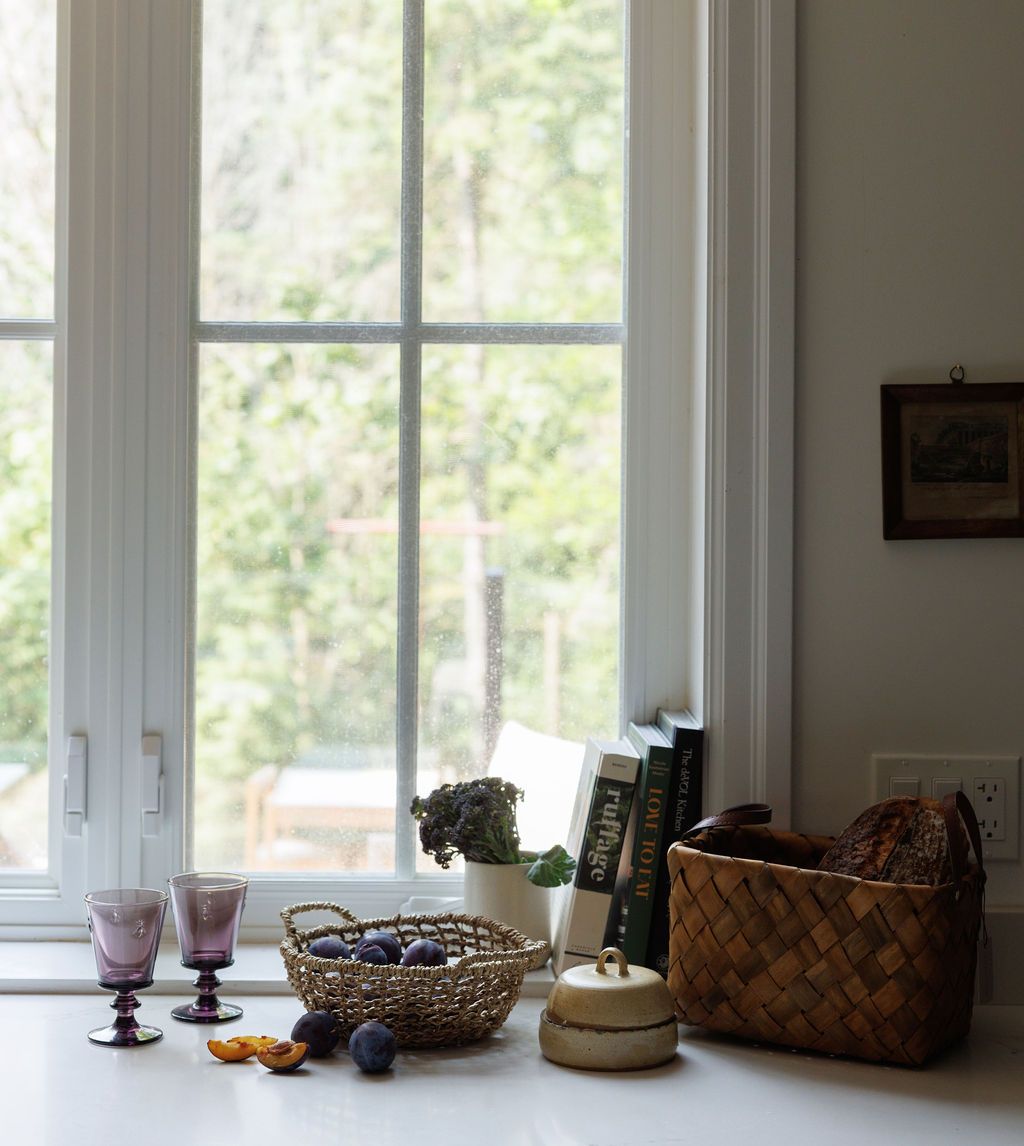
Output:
(736, 816)
(298, 908)
(956, 806)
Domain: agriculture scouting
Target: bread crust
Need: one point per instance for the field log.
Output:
(899, 840)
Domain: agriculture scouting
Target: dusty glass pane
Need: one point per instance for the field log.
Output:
(296, 603)
(28, 99)
(523, 179)
(25, 456)
(301, 149)
(519, 584)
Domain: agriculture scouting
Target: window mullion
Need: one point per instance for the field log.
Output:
(440, 333)
(132, 210)
(90, 440)
(127, 382)
(413, 42)
(165, 151)
(29, 329)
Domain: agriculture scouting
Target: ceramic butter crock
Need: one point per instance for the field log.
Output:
(599, 1020)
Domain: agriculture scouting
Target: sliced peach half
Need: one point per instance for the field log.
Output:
(240, 1047)
(234, 1050)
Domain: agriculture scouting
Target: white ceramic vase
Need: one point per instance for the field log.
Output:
(501, 891)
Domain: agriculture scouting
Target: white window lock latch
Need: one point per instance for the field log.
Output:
(152, 786)
(74, 785)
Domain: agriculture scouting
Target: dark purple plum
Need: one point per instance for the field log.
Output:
(372, 1047)
(319, 1030)
(387, 942)
(424, 953)
(371, 953)
(329, 947)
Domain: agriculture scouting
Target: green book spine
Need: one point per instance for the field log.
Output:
(650, 815)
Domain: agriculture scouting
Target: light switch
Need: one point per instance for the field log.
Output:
(904, 786)
(943, 787)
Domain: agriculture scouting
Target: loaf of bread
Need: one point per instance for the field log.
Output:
(901, 840)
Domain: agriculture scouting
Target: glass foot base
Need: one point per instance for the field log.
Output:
(114, 1036)
(194, 1013)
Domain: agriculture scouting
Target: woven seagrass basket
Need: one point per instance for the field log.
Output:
(764, 947)
(423, 1006)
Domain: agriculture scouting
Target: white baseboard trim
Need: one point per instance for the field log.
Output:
(1001, 963)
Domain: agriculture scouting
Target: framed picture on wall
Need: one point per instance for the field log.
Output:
(952, 461)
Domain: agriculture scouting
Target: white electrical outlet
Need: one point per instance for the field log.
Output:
(989, 800)
(991, 783)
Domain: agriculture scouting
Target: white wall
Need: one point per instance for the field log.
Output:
(910, 257)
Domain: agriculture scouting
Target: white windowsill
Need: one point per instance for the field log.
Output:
(68, 967)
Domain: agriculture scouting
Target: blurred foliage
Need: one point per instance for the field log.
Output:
(25, 398)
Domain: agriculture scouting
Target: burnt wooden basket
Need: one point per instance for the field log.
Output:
(423, 1006)
(767, 948)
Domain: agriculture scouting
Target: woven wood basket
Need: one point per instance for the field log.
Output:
(764, 947)
(423, 1006)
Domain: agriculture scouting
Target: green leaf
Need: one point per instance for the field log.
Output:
(552, 868)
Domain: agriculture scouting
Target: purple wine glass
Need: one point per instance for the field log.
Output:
(125, 928)
(207, 911)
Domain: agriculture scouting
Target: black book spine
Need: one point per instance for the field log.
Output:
(685, 794)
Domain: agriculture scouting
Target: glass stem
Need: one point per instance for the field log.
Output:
(207, 984)
(125, 1004)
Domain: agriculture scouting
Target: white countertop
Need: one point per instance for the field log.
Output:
(58, 1089)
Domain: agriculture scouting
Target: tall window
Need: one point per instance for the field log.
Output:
(350, 405)
(409, 374)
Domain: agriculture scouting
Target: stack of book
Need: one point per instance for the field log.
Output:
(635, 797)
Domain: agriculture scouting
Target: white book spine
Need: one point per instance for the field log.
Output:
(607, 784)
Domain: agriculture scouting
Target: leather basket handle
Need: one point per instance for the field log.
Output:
(955, 807)
(739, 815)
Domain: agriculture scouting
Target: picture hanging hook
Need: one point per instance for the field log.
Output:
(957, 375)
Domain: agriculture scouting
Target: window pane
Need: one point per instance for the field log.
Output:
(519, 591)
(523, 184)
(28, 84)
(296, 644)
(301, 148)
(25, 454)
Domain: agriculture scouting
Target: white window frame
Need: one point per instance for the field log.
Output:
(707, 517)
(748, 511)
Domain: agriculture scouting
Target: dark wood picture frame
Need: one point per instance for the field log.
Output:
(953, 460)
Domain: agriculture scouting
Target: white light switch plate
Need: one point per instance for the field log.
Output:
(893, 774)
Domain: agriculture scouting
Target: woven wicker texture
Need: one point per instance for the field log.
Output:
(763, 948)
(423, 1006)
